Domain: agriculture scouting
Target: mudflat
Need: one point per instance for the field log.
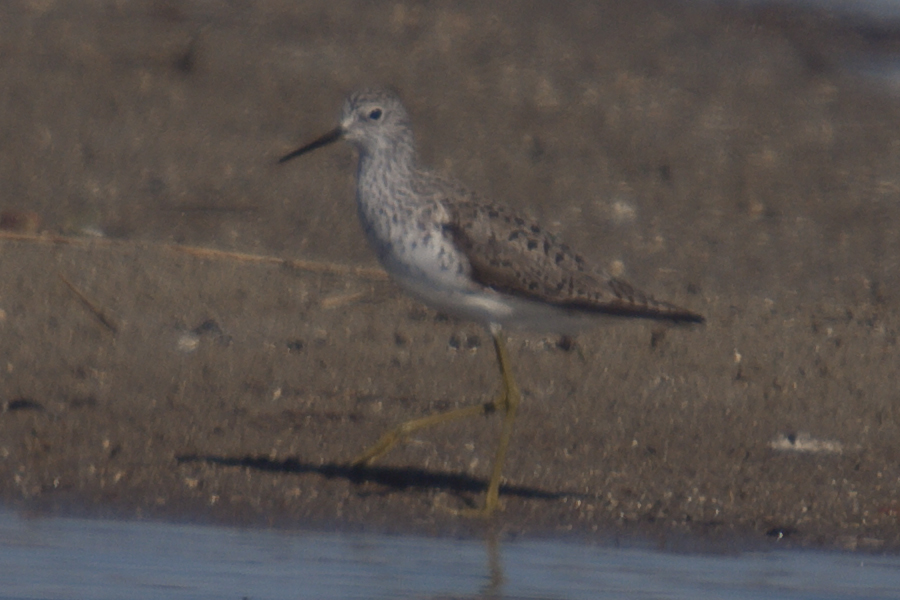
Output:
(189, 331)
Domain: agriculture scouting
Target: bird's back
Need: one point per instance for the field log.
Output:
(514, 256)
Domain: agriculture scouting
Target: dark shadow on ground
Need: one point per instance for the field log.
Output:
(396, 478)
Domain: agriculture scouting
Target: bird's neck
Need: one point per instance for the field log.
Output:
(387, 166)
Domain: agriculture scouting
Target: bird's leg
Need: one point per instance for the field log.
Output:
(508, 401)
(397, 434)
(403, 430)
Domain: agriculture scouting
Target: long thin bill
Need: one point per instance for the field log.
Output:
(332, 136)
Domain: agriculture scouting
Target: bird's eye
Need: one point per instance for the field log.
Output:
(375, 114)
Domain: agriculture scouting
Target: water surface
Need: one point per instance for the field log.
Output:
(69, 558)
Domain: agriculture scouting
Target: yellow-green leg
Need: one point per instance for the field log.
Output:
(507, 401)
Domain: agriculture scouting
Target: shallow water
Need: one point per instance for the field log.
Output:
(94, 559)
(67, 558)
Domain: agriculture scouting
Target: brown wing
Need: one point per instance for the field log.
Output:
(516, 256)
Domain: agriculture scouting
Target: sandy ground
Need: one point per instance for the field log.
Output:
(730, 161)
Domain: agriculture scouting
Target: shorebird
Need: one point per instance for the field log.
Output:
(470, 258)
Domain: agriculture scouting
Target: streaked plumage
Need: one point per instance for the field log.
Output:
(474, 259)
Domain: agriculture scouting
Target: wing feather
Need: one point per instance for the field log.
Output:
(514, 255)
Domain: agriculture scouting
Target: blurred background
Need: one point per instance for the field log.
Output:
(739, 158)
